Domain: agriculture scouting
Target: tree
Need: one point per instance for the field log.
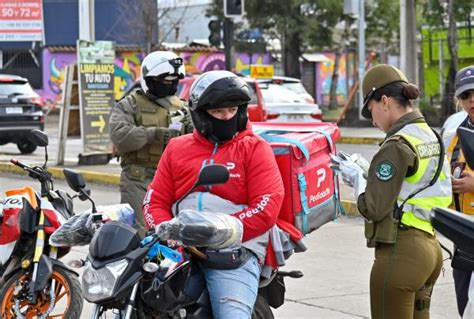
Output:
(298, 25)
(447, 14)
(141, 18)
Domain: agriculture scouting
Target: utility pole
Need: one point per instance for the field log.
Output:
(228, 42)
(408, 44)
(361, 54)
(87, 20)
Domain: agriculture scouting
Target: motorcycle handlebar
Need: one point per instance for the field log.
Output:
(18, 163)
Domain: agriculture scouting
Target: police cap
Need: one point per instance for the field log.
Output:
(376, 78)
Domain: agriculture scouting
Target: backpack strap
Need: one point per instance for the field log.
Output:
(273, 136)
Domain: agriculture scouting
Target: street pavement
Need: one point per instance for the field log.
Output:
(336, 266)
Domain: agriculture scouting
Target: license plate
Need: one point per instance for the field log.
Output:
(14, 110)
(295, 116)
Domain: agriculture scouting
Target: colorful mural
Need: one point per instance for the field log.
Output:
(127, 68)
(200, 62)
(345, 81)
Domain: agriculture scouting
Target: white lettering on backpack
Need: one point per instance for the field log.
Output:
(259, 208)
(318, 196)
(321, 176)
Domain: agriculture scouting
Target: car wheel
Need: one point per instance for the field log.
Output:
(26, 147)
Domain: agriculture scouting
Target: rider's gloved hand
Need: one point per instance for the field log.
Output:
(202, 229)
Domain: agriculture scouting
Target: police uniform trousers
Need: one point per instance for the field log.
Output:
(403, 275)
(133, 189)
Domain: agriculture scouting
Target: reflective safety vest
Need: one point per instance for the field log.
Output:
(416, 211)
(466, 200)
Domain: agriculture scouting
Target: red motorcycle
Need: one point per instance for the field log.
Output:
(33, 281)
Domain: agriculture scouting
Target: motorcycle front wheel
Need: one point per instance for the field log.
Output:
(65, 287)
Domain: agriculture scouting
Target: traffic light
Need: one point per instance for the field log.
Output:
(215, 33)
(233, 8)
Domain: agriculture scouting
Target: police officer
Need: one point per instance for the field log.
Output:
(396, 199)
(143, 122)
(461, 156)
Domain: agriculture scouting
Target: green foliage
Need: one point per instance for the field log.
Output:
(435, 12)
(383, 25)
(312, 21)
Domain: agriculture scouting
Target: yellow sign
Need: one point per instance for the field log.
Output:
(261, 71)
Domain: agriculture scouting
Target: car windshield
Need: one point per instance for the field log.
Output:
(296, 87)
(15, 88)
(274, 93)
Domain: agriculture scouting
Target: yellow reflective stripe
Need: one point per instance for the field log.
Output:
(429, 203)
(39, 240)
(422, 163)
(409, 219)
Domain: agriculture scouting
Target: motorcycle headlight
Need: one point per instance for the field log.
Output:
(99, 284)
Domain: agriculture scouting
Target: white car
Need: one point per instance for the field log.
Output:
(291, 84)
(284, 105)
(450, 126)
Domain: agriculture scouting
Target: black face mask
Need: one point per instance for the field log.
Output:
(160, 89)
(223, 130)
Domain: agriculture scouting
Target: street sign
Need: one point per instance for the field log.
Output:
(261, 71)
(96, 87)
(21, 20)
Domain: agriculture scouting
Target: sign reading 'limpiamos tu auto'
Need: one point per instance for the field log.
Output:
(21, 20)
(96, 87)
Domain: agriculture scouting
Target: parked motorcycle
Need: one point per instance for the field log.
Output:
(33, 281)
(147, 279)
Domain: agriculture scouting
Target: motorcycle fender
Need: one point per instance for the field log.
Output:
(274, 292)
(45, 270)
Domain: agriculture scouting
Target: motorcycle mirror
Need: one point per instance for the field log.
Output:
(74, 180)
(39, 138)
(212, 175)
(209, 175)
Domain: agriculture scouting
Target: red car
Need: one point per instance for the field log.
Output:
(256, 108)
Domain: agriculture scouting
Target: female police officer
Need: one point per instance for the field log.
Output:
(407, 254)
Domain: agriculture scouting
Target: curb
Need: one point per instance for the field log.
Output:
(57, 172)
(360, 140)
(114, 179)
(350, 207)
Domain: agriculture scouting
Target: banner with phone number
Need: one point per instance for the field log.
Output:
(21, 20)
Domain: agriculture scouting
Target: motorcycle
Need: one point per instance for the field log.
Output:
(459, 228)
(146, 279)
(33, 281)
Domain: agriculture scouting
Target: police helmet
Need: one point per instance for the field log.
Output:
(162, 64)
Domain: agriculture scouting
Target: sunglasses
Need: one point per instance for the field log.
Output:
(465, 95)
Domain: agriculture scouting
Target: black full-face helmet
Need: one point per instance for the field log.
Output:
(218, 89)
